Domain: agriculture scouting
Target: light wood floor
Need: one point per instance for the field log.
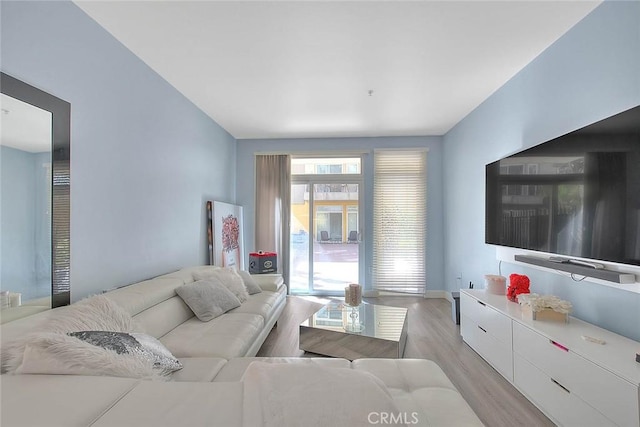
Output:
(431, 335)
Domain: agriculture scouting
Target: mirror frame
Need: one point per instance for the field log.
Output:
(61, 181)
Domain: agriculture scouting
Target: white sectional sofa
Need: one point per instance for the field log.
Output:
(213, 387)
(156, 307)
(157, 310)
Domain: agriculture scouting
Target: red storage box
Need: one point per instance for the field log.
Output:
(263, 262)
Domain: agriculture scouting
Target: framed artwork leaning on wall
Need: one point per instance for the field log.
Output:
(225, 234)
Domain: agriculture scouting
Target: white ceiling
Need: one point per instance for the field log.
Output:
(23, 126)
(277, 69)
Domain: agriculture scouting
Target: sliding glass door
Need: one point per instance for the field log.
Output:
(325, 231)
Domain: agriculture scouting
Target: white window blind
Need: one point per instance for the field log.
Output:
(400, 220)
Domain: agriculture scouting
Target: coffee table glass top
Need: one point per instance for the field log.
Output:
(378, 321)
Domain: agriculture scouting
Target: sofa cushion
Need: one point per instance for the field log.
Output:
(230, 335)
(284, 394)
(198, 369)
(208, 299)
(59, 400)
(13, 313)
(420, 386)
(163, 317)
(186, 274)
(269, 282)
(143, 295)
(234, 369)
(229, 277)
(261, 304)
(177, 404)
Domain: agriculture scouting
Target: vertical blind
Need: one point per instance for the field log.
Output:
(400, 220)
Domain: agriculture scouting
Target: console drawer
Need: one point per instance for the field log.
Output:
(492, 321)
(467, 330)
(613, 396)
(496, 353)
(554, 398)
(469, 307)
(551, 357)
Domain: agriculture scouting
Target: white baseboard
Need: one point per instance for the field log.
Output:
(438, 294)
(428, 294)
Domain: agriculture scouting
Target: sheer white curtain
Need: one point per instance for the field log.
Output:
(273, 202)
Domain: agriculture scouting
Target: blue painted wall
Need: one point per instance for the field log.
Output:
(17, 233)
(590, 73)
(25, 245)
(144, 159)
(246, 187)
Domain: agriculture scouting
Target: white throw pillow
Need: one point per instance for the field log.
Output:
(97, 353)
(208, 299)
(229, 277)
(96, 313)
(250, 283)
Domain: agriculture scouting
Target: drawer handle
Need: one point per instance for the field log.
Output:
(481, 303)
(560, 346)
(482, 329)
(560, 385)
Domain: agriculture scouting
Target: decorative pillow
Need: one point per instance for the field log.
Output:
(249, 283)
(229, 277)
(97, 353)
(208, 299)
(138, 344)
(97, 313)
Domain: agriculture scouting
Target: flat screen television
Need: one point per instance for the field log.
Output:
(577, 195)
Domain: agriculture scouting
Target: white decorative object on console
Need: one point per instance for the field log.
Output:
(545, 307)
(495, 284)
(573, 380)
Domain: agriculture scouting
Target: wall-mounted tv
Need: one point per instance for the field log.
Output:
(577, 195)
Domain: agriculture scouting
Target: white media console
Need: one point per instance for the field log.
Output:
(557, 366)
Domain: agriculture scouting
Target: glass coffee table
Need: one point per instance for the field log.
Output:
(382, 331)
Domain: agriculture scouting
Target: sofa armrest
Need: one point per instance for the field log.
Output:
(14, 313)
(269, 282)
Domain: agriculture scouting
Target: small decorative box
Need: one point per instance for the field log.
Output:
(544, 314)
(495, 284)
(544, 307)
(263, 262)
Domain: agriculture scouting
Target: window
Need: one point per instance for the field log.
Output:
(399, 220)
(325, 166)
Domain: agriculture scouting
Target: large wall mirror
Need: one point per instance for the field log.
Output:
(35, 185)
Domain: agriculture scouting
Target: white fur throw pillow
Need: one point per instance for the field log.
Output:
(229, 277)
(96, 313)
(61, 354)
